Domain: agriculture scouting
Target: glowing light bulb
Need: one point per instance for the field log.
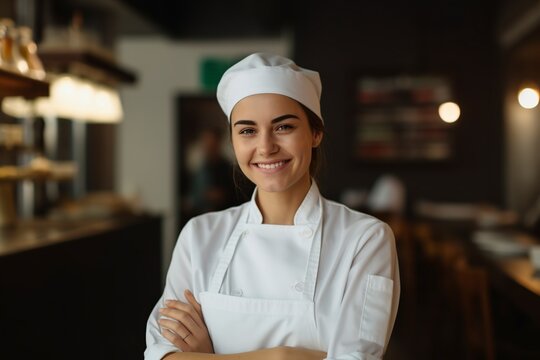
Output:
(528, 98)
(449, 112)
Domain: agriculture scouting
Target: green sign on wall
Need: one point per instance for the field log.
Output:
(211, 70)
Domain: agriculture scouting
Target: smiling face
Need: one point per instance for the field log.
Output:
(272, 141)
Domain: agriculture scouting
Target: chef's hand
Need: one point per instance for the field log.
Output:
(187, 330)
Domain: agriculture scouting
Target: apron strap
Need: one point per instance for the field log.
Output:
(225, 259)
(313, 261)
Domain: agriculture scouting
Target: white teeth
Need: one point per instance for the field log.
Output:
(271, 166)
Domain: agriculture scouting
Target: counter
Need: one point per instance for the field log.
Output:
(79, 289)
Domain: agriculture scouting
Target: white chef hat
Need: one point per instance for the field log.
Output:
(262, 73)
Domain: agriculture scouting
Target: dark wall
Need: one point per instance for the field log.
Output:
(456, 39)
(100, 157)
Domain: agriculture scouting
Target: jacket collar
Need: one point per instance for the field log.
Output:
(308, 212)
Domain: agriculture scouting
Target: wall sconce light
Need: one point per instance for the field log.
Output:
(449, 112)
(528, 97)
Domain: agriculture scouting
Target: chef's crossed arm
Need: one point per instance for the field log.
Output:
(278, 353)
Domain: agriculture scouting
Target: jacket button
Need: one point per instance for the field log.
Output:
(299, 286)
(307, 232)
(237, 292)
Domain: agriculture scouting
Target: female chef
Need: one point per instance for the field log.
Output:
(289, 274)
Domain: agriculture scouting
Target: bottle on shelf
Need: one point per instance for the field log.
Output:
(28, 51)
(10, 57)
(6, 43)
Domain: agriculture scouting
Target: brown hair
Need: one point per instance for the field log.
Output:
(317, 154)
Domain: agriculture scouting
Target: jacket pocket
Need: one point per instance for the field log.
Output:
(376, 311)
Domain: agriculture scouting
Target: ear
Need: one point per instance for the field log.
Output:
(316, 138)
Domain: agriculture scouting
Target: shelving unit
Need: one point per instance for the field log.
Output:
(91, 64)
(396, 119)
(16, 84)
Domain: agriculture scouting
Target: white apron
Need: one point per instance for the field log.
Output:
(239, 324)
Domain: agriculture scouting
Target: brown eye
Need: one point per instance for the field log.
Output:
(247, 131)
(284, 127)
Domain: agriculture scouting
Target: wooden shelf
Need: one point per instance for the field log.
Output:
(86, 63)
(17, 148)
(15, 174)
(16, 84)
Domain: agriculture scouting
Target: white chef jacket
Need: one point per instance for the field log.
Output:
(357, 287)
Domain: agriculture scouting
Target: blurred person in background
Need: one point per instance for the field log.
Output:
(211, 186)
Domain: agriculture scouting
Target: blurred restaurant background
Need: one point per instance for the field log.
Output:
(111, 139)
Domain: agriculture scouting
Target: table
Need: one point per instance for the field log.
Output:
(511, 276)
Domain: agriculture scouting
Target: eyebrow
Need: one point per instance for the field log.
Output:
(276, 120)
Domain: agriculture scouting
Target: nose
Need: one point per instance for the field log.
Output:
(267, 144)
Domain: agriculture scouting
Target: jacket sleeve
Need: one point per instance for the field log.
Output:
(178, 279)
(370, 301)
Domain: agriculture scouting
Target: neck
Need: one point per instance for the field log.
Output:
(280, 207)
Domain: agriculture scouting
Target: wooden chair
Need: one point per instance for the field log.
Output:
(475, 311)
(458, 303)
(405, 247)
(450, 253)
(446, 325)
(423, 234)
(407, 321)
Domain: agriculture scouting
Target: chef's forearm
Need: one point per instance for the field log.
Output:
(278, 353)
(266, 354)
